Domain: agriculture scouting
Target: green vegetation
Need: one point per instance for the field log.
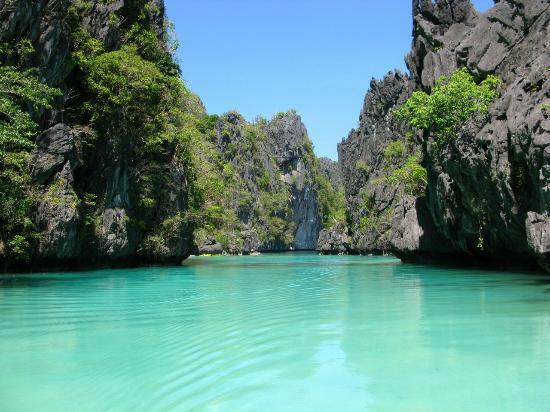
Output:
(19, 89)
(246, 191)
(411, 176)
(129, 99)
(134, 96)
(361, 166)
(395, 151)
(373, 220)
(332, 203)
(453, 101)
(229, 206)
(404, 169)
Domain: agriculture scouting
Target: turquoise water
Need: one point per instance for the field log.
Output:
(276, 333)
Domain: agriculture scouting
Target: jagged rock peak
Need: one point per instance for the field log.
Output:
(445, 11)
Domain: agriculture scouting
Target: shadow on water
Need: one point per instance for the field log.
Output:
(24, 281)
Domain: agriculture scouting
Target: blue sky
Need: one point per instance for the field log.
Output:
(261, 57)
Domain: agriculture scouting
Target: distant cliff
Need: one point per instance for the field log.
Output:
(487, 194)
(268, 191)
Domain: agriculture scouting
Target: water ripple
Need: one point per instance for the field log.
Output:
(275, 332)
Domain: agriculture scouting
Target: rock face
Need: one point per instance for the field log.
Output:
(487, 196)
(370, 204)
(488, 192)
(538, 237)
(54, 161)
(331, 170)
(87, 213)
(293, 153)
(334, 241)
(210, 247)
(43, 22)
(271, 202)
(104, 197)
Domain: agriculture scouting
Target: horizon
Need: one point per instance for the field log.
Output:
(318, 60)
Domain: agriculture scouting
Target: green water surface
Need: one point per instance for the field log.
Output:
(290, 332)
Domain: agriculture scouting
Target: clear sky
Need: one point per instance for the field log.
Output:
(261, 57)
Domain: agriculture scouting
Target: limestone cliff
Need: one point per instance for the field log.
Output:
(87, 166)
(270, 190)
(487, 194)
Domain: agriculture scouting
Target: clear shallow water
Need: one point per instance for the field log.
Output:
(276, 333)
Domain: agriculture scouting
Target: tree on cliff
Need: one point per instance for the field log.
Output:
(454, 100)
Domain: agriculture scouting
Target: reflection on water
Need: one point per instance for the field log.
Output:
(276, 333)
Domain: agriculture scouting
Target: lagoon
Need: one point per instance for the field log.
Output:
(276, 332)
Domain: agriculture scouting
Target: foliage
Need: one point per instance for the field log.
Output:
(404, 169)
(395, 151)
(452, 102)
(281, 115)
(251, 195)
(412, 176)
(332, 203)
(170, 230)
(18, 55)
(19, 89)
(361, 165)
(123, 83)
(151, 49)
(373, 220)
(275, 216)
(133, 96)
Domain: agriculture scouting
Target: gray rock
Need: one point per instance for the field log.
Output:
(334, 241)
(210, 247)
(57, 218)
(414, 233)
(55, 148)
(112, 234)
(331, 170)
(89, 212)
(251, 241)
(288, 141)
(485, 188)
(362, 164)
(538, 237)
(283, 152)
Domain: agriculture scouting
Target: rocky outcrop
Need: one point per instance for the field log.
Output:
(294, 157)
(487, 194)
(488, 183)
(101, 200)
(210, 247)
(538, 237)
(334, 241)
(45, 24)
(331, 170)
(370, 204)
(414, 234)
(87, 211)
(57, 218)
(271, 199)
